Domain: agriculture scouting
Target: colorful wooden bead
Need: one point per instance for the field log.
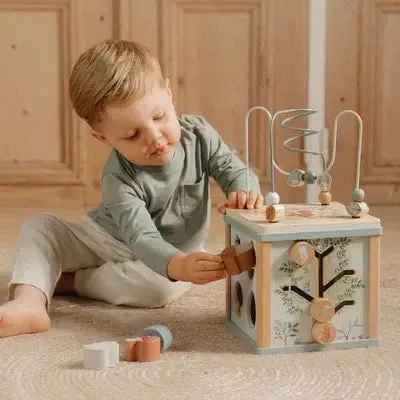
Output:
(302, 253)
(309, 177)
(324, 332)
(274, 212)
(357, 209)
(296, 178)
(325, 198)
(321, 309)
(272, 198)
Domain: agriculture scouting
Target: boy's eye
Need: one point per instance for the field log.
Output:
(159, 116)
(132, 135)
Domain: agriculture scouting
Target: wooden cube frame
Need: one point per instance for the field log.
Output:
(292, 228)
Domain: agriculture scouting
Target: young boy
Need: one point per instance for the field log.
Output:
(143, 246)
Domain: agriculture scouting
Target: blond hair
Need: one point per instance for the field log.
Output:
(113, 71)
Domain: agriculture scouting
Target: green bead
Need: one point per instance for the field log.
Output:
(357, 194)
(309, 177)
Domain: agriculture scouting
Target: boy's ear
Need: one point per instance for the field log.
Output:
(99, 136)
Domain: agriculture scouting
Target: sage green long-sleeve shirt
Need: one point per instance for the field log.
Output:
(161, 211)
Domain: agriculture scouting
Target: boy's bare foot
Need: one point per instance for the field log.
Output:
(27, 313)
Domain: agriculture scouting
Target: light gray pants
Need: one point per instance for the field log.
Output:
(105, 269)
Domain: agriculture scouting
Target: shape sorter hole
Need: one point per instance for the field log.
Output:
(238, 296)
(251, 310)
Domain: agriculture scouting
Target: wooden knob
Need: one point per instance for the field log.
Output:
(322, 310)
(325, 198)
(296, 178)
(302, 253)
(274, 212)
(324, 332)
(357, 209)
(148, 349)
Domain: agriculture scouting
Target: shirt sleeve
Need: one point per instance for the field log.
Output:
(224, 165)
(139, 233)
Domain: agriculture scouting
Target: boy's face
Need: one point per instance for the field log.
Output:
(145, 132)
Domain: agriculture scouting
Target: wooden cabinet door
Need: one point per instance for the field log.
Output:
(363, 58)
(46, 156)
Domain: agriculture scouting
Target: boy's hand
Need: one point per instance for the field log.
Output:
(197, 267)
(242, 200)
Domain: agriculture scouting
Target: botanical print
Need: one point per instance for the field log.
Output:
(285, 330)
(301, 280)
(349, 333)
(300, 286)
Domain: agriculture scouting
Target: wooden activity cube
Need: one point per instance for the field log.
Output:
(281, 306)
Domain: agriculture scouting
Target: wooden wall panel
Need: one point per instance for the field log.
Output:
(40, 143)
(222, 58)
(379, 98)
(30, 126)
(363, 75)
(99, 20)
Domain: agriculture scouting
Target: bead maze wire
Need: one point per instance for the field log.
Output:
(359, 148)
(305, 132)
(301, 112)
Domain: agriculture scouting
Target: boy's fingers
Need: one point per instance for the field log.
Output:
(259, 201)
(232, 200)
(251, 199)
(211, 266)
(241, 196)
(222, 207)
(211, 276)
(203, 256)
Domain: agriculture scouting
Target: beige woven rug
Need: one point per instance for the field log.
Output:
(205, 362)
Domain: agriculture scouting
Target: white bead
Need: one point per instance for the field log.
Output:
(272, 198)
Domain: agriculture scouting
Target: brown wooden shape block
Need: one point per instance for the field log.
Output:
(148, 349)
(239, 258)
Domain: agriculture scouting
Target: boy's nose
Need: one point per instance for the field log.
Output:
(156, 138)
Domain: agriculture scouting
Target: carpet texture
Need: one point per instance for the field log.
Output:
(205, 361)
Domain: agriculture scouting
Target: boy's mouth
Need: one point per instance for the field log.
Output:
(161, 150)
